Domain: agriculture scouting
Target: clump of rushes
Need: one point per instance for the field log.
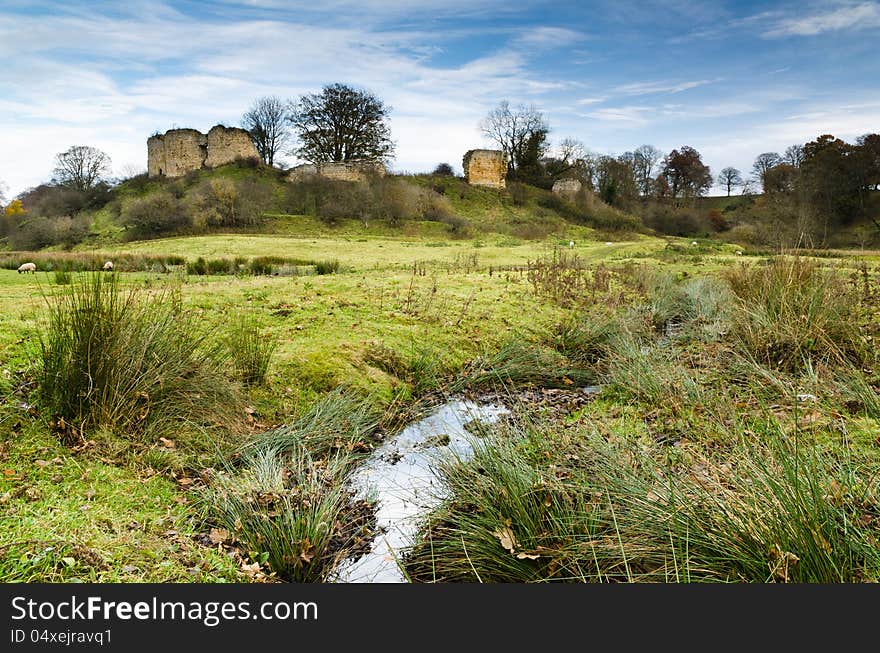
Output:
(338, 422)
(251, 349)
(327, 267)
(290, 511)
(791, 314)
(551, 505)
(518, 362)
(62, 277)
(130, 361)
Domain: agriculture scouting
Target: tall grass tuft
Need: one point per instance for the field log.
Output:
(250, 349)
(130, 361)
(62, 277)
(288, 510)
(790, 314)
(555, 506)
(338, 422)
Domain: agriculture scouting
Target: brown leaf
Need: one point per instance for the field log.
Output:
(168, 444)
(41, 463)
(527, 556)
(506, 537)
(218, 535)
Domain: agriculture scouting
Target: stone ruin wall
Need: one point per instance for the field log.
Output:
(340, 171)
(179, 151)
(567, 187)
(226, 144)
(485, 168)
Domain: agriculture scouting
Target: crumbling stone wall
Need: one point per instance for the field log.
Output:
(359, 170)
(567, 187)
(179, 151)
(226, 144)
(485, 168)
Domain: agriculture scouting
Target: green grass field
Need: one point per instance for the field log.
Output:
(402, 318)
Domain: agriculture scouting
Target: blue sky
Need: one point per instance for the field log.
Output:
(732, 79)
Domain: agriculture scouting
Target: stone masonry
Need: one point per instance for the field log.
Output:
(485, 168)
(567, 187)
(178, 151)
(359, 170)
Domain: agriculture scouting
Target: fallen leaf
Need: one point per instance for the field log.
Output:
(41, 463)
(218, 535)
(9, 472)
(527, 556)
(506, 537)
(168, 444)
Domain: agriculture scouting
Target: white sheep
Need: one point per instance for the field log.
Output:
(739, 253)
(108, 266)
(570, 244)
(27, 267)
(693, 243)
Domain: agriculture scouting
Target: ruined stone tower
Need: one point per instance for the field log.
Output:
(485, 168)
(179, 151)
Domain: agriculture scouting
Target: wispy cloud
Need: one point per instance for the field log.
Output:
(856, 17)
(666, 87)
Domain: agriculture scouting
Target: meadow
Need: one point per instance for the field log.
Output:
(735, 437)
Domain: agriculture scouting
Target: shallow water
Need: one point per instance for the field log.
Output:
(400, 476)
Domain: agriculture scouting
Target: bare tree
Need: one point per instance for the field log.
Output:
(80, 167)
(570, 151)
(794, 155)
(268, 123)
(645, 158)
(763, 163)
(342, 124)
(730, 178)
(514, 131)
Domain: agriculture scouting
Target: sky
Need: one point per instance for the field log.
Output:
(731, 79)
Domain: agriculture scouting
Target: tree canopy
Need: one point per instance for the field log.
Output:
(341, 123)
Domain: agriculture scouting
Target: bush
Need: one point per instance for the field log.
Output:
(129, 361)
(158, 214)
(443, 170)
(223, 202)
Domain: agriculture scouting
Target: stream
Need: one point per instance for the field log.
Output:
(400, 476)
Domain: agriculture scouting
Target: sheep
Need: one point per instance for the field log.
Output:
(570, 244)
(108, 266)
(739, 253)
(27, 267)
(693, 243)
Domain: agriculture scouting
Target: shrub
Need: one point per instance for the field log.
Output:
(443, 170)
(129, 361)
(157, 214)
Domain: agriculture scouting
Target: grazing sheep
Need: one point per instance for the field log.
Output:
(693, 242)
(609, 243)
(570, 244)
(108, 266)
(739, 253)
(27, 267)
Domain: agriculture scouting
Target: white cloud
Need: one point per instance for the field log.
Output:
(666, 87)
(862, 16)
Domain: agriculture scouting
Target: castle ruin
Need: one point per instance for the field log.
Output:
(359, 170)
(179, 151)
(567, 187)
(485, 168)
